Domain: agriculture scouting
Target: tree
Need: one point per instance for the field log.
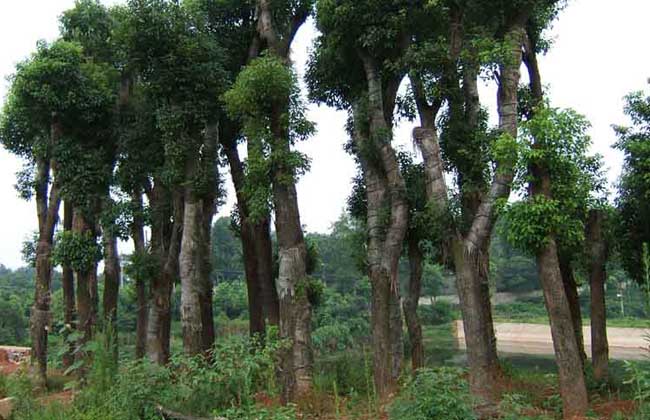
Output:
(634, 187)
(41, 120)
(356, 66)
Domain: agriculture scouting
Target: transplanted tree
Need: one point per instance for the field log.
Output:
(356, 66)
(56, 99)
(557, 141)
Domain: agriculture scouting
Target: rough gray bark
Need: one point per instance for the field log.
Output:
(295, 309)
(597, 251)
(67, 282)
(410, 305)
(47, 209)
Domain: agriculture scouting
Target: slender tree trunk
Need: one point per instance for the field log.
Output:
(257, 253)
(396, 335)
(47, 209)
(563, 328)
(411, 302)
(597, 251)
(112, 279)
(137, 234)
(573, 297)
(67, 281)
(264, 253)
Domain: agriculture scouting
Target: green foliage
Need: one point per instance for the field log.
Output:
(434, 394)
(266, 99)
(231, 299)
(439, 313)
(557, 142)
(633, 202)
(79, 251)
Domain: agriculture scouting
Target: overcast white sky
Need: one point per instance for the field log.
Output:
(599, 56)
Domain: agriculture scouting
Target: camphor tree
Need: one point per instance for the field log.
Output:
(357, 66)
(56, 99)
(556, 140)
(444, 66)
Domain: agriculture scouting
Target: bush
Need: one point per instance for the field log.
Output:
(434, 394)
(440, 313)
(230, 298)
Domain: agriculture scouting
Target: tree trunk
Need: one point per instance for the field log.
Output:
(137, 234)
(207, 286)
(47, 209)
(410, 305)
(474, 296)
(257, 252)
(292, 285)
(112, 279)
(597, 251)
(567, 355)
(573, 297)
(166, 235)
(67, 281)
(396, 335)
(86, 287)
(190, 261)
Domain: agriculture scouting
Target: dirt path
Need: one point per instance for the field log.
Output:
(624, 343)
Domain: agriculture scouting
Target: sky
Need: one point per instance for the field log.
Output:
(598, 56)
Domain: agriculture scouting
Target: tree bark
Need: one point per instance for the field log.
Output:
(137, 234)
(257, 252)
(112, 277)
(597, 251)
(166, 233)
(67, 281)
(47, 208)
(86, 286)
(567, 355)
(410, 305)
(573, 297)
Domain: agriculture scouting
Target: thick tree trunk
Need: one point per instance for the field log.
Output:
(573, 297)
(67, 281)
(207, 286)
(597, 251)
(137, 234)
(474, 296)
(190, 272)
(411, 302)
(567, 355)
(292, 286)
(256, 324)
(166, 235)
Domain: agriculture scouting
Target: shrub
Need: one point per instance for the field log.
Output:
(434, 394)
(440, 313)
